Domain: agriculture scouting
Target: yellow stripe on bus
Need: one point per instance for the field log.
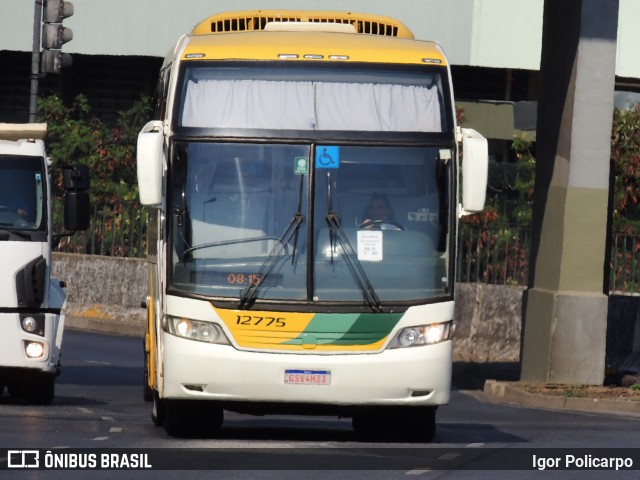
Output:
(267, 330)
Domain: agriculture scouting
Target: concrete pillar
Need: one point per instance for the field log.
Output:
(566, 305)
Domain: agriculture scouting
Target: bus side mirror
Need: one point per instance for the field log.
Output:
(76, 198)
(150, 154)
(475, 166)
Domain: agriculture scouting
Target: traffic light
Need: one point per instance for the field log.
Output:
(54, 35)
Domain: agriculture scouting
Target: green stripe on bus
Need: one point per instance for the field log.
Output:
(348, 329)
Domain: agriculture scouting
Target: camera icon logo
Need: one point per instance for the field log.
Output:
(23, 459)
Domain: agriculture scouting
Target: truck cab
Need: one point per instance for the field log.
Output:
(31, 302)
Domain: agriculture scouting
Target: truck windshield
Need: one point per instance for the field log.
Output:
(310, 222)
(22, 194)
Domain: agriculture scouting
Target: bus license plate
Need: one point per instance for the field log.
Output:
(307, 377)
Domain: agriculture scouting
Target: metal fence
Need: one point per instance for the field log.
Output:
(625, 263)
(116, 229)
(494, 255)
(501, 256)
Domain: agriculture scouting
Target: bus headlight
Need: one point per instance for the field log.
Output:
(422, 335)
(196, 330)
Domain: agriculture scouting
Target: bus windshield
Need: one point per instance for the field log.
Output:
(313, 97)
(22, 193)
(305, 222)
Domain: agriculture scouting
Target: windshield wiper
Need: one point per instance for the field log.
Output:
(351, 258)
(248, 296)
(295, 217)
(17, 233)
(187, 253)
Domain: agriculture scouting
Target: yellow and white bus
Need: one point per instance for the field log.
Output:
(304, 168)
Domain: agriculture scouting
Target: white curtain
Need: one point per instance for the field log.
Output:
(311, 106)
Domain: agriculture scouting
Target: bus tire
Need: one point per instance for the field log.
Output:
(185, 418)
(158, 410)
(408, 424)
(424, 427)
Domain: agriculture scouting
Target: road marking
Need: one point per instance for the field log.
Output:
(99, 439)
(418, 471)
(84, 410)
(107, 419)
(448, 456)
(475, 445)
(115, 429)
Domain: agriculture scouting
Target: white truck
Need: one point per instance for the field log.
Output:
(31, 318)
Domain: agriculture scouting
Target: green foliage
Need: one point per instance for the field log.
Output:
(625, 155)
(517, 180)
(510, 200)
(525, 178)
(510, 189)
(574, 391)
(493, 244)
(75, 136)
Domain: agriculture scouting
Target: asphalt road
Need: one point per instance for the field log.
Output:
(99, 406)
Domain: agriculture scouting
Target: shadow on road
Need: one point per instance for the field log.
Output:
(471, 376)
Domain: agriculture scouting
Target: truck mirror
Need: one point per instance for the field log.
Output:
(76, 210)
(76, 177)
(76, 199)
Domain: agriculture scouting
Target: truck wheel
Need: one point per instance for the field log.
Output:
(195, 419)
(17, 389)
(42, 390)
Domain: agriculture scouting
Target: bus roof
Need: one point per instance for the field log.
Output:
(268, 35)
(254, 20)
(277, 45)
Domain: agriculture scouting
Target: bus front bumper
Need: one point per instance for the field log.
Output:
(416, 376)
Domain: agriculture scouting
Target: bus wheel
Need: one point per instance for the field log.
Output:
(424, 426)
(409, 424)
(186, 418)
(158, 411)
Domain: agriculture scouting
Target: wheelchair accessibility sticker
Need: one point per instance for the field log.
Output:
(327, 156)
